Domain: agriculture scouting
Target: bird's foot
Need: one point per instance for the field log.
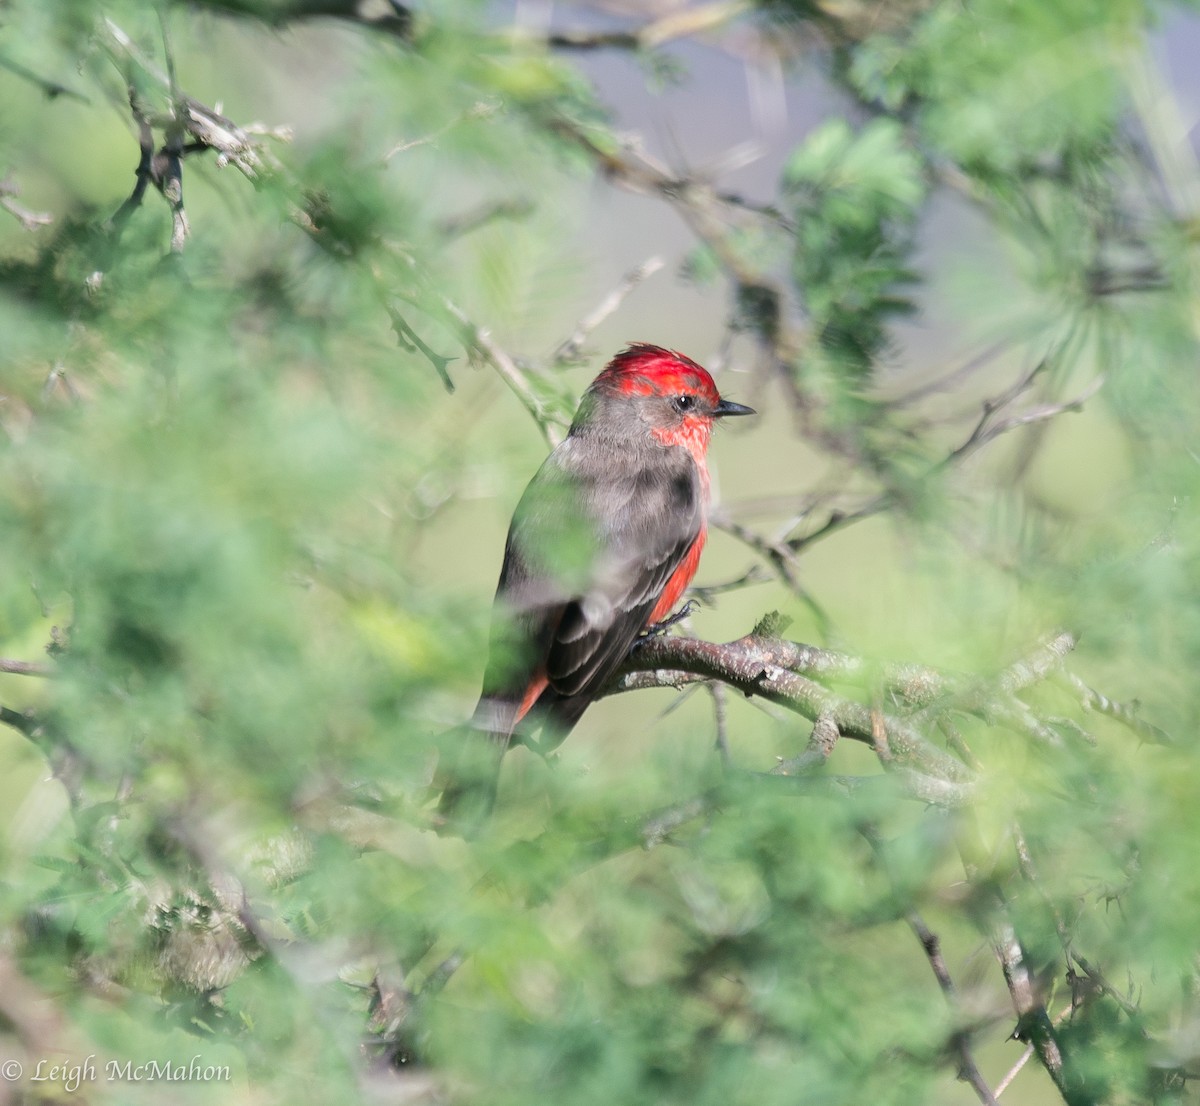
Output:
(657, 629)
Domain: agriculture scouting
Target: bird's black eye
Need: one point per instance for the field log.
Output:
(684, 404)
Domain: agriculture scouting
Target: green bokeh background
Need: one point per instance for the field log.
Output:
(268, 539)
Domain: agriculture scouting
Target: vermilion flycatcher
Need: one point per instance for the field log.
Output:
(603, 544)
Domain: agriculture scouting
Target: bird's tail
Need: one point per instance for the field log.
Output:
(469, 768)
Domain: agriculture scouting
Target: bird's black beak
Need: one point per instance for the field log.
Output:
(728, 407)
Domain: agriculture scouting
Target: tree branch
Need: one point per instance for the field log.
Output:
(821, 741)
(28, 218)
(682, 23)
(210, 129)
(968, 1070)
(410, 340)
(789, 674)
(52, 89)
(25, 668)
(759, 666)
(1124, 713)
(571, 348)
(480, 339)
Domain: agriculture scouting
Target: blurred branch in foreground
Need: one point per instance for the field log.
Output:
(920, 232)
(923, 702)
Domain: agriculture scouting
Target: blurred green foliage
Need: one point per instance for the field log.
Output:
(854, 198)
(218, 473)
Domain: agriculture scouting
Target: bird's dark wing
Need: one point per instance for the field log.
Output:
(595, 631)
(595, 539)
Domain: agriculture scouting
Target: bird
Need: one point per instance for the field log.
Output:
(603, 544)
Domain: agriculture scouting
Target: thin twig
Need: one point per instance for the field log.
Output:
(716, 691)
(821, 741)
(781, 557)
(1037, 665)
(995, 700)
(1014, 1071)
(25, 668)
(1095, 978)
(968, 1070)
(442, 974)
(27, 217)
(949, 380)
(23, 721)
(682, 23)
(657, 827)
(572, 348)
(480, 110)
(986, 430)
(480, 339)
(52, 89)
(171, 183)
(458, 225)
(706, 593)
(144, 171)
(410, 340)
(1125, 713)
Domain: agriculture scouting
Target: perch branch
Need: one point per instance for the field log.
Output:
(756, 665)
(767, 667)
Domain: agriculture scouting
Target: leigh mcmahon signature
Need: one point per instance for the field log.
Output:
(74, 1074)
